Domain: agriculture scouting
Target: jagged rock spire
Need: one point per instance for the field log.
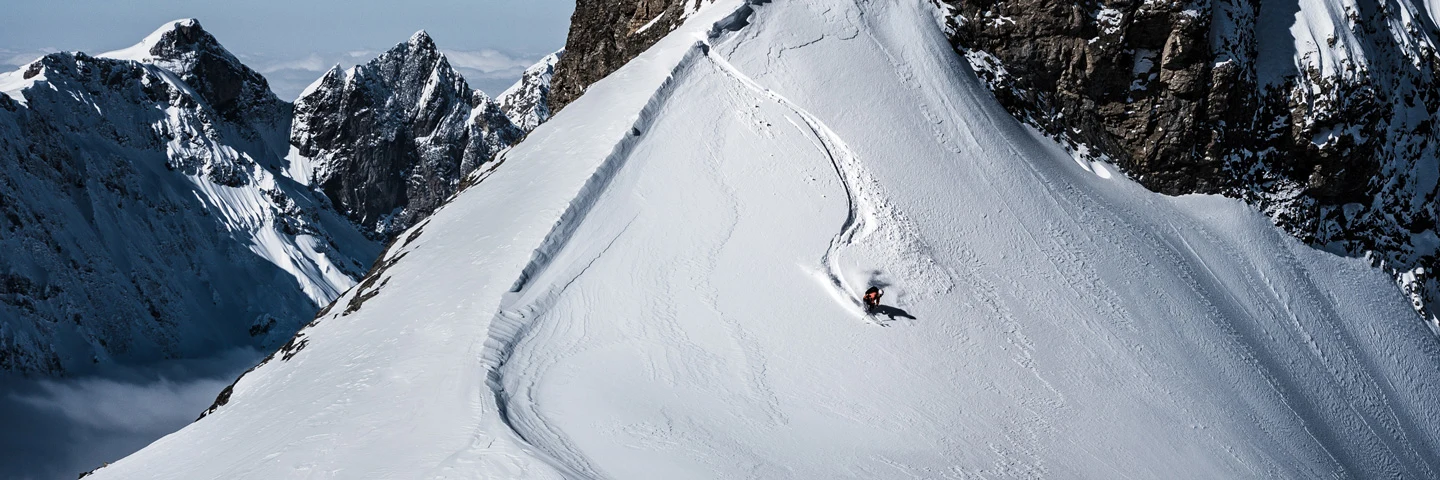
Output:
(389, 140)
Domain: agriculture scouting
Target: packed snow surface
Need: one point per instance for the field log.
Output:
(661, 282)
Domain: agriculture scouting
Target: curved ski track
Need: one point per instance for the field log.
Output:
(861, 208)
(517, 314)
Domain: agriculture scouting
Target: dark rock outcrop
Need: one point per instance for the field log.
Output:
(388, 141)
(604, 34)
(527, 103)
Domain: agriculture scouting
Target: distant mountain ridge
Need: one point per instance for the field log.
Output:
(389, 140)
(150, 205)
(527, 103)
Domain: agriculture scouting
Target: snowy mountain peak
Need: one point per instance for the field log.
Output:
(162, 40)
(388, 141)
(181, 38)
(421, 39)
(185, 49)
(527, 103)
(334, 74)
(144, 223)
(179, 46)
(420, 44)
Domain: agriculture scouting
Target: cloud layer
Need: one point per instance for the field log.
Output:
(57, 428)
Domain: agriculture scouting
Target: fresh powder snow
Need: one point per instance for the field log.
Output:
(662, 282)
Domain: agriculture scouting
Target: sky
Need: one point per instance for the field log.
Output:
(292, 42)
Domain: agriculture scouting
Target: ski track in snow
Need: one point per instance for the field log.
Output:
(870, 223)
(516, 318)
(866, 206)
(860, 206)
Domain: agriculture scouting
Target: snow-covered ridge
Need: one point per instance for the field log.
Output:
(580, 312)
(13, 83)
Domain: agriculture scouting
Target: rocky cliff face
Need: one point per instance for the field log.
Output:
(145, 216)
(527, 103)
(604, 34)
(1321, 113)
(387, 142)
(237, 93)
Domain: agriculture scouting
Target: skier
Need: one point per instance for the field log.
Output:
(872, 298)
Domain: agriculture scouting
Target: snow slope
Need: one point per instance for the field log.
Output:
(660, 282)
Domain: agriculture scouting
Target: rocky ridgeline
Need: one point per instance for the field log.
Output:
(238, 93)
(604, 34)
(388, 141)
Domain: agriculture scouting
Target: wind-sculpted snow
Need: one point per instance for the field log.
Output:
(640, 290)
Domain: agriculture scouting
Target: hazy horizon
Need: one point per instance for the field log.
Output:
(490, 42)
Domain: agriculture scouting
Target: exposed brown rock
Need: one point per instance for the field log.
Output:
(1179, 105)
(604, 34)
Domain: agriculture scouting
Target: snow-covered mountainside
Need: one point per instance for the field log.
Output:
(527, 103)
(662, 282)
(389, 141)
(145, 213)
(1324, 113)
